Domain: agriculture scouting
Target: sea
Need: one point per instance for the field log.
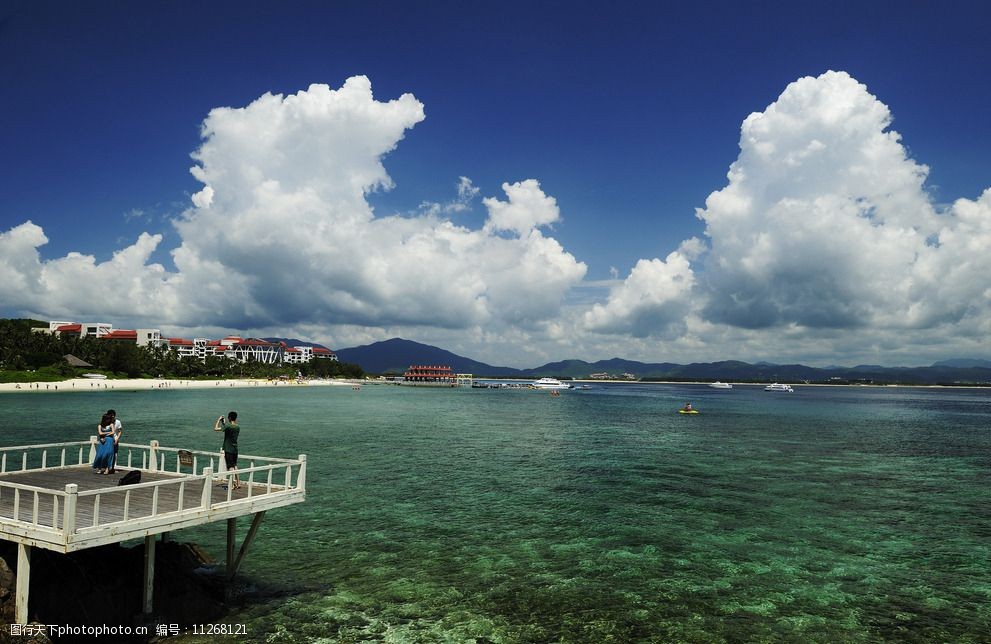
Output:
(831, 514)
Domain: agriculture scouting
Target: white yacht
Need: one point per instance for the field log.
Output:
(720, 385)
(777, 387)
(549, 383)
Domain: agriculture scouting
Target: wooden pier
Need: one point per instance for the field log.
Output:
(51, 498)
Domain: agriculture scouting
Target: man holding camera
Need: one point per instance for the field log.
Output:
(231, 431)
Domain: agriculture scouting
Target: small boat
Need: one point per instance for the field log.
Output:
(721, 385)
(549, 383)
(688, 411)
(777, 387)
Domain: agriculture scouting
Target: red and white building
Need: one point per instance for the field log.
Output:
(435, 376)
(232, 346)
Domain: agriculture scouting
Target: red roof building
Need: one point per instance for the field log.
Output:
(232, 346)
(433, 373)
(121, 334)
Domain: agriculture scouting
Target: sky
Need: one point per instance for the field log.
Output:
(515, 182)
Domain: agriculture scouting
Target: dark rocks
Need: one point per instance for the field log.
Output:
(104, 585)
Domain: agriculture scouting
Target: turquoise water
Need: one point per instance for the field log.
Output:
(830, 514)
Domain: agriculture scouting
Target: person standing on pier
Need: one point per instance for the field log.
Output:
(231, 431)
(118, 430)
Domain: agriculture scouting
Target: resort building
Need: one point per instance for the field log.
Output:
(429, 374)
(435, 376)
(89, 329)
(253, 350)
(233, 347)
(189, 348)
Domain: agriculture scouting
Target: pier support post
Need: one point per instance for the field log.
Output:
(148, 594)
(231, 542)
(257, 521)
(23, 583)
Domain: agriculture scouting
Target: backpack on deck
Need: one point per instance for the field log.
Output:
(132, 477)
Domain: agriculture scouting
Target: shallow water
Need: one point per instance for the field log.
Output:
(829, 514)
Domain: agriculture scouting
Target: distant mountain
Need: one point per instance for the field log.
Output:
(396, 355)
(964, 363)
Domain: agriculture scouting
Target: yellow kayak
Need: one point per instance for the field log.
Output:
(687, 411)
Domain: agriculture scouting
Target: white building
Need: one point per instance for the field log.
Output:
(232, 346)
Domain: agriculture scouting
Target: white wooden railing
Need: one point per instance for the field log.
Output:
(27, 502)
(31, 457)
(262, 476)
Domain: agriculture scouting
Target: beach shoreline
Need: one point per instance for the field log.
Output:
(171, 384)
(164, 384)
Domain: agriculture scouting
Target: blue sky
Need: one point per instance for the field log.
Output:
(628, 115)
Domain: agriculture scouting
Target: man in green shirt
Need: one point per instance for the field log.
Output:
(231, 431)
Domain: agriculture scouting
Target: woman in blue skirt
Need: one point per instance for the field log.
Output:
(105, 445)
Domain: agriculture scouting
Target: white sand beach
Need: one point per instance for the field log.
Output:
(135, 384)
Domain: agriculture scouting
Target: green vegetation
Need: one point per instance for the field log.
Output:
(27, 356)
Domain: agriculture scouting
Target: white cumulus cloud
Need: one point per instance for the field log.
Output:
(654, 300)
(527, 208)
(824, 240)
(281, 236)
(79, 284)
(824, 216)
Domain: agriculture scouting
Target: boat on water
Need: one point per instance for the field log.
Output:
(777, 387)
(688, 411)
(720, 385)
(549, 383)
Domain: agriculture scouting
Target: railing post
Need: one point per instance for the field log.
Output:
(69, 511)
(207, 499)
(301, 477)
(92, 448)
(153, 457)
(221, 463)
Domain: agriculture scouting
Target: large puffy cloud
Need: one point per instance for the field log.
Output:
(78, 283)
(655, 300)
(284, 210)
(20, 265)
(824, 216)
(281, 236)
(824, 226)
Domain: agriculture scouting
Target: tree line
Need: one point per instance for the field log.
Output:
(28, 356)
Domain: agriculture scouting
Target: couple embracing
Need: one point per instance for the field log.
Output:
(108, 434)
